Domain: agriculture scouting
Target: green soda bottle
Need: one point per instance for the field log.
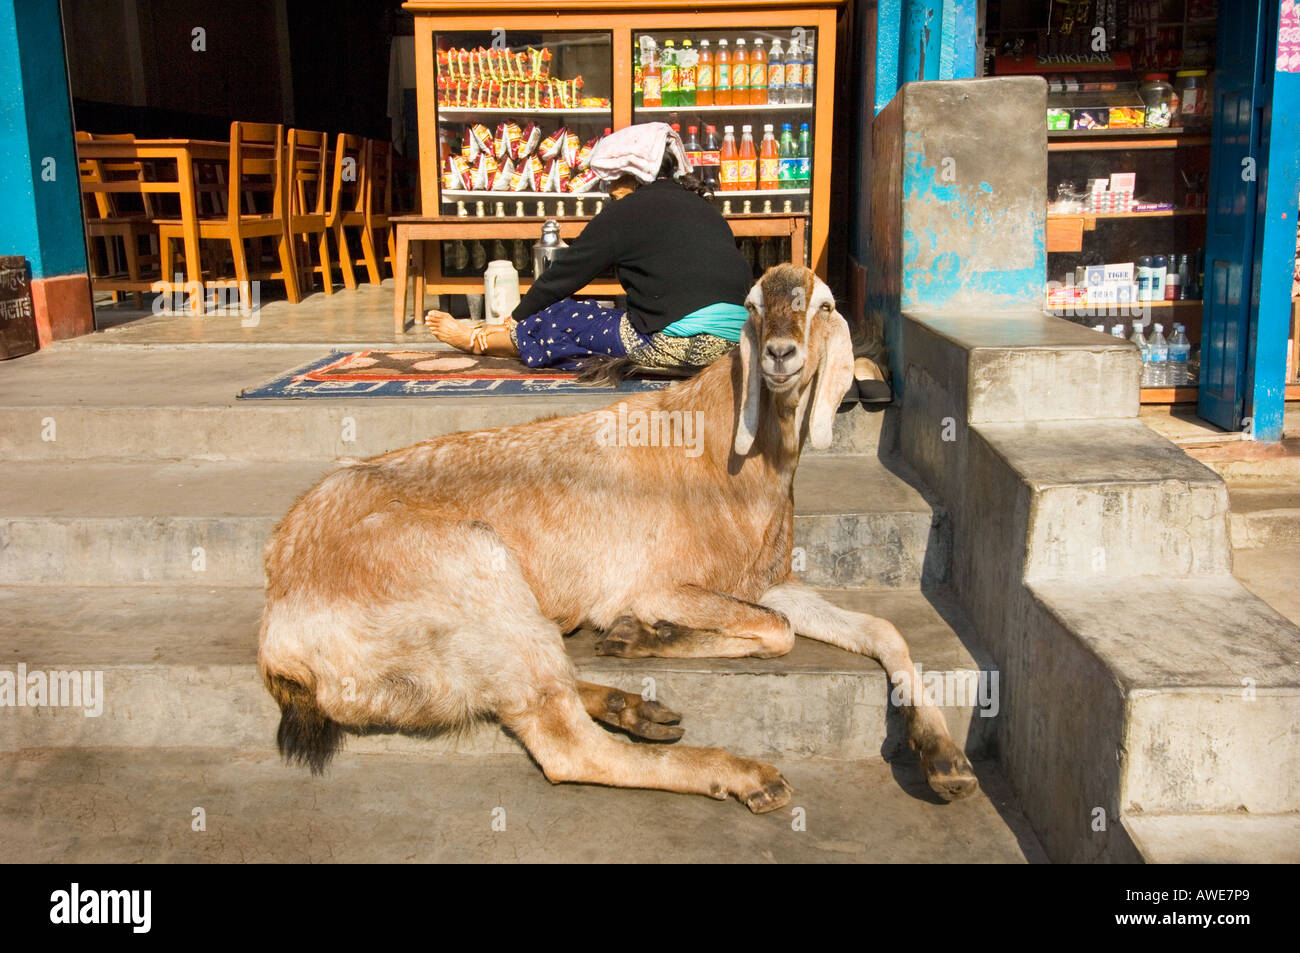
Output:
(668, 65)
(789, 169)
(804, 179)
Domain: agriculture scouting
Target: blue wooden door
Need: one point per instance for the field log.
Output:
(1230, 229)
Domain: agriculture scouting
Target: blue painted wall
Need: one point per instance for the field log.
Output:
(40, 210)
(1277, 208)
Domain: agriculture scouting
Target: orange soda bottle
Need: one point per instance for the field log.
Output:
(747, 166)
(740, 74)
(758, 75)
(729, 160)
(769, 161)
(722, 76)
(704, 76)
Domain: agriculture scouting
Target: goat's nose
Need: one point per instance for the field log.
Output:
(781, 350)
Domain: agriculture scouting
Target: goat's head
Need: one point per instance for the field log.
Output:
(794, 339)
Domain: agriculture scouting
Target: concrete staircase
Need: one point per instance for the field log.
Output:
(136, 494)
(1149, 697)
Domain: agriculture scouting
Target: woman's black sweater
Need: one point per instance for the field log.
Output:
(674, 254)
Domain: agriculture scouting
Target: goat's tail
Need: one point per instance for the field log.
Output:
(601, 371)
(307, 736)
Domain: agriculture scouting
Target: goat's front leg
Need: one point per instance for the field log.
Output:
(631, 712)
(812, 615)
(693, 622)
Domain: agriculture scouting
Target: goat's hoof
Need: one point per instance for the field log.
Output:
(626, 638)
(950, 775)
(645, 719)
(773, 791)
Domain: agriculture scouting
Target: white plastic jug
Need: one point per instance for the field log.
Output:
(500, 291)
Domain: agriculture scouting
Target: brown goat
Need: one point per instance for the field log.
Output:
(432, 586)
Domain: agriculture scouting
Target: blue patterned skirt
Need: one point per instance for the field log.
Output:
(568, 331)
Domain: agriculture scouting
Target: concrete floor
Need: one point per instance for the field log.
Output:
(121, 805)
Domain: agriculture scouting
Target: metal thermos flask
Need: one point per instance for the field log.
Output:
(545, 251)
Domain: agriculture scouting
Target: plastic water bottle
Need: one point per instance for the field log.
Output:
(1179, 350)
(1140, 339)
(1159, 357)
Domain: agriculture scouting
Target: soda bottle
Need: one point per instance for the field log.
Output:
(769, 161)
(740, 74)
(805, 157)
(806, 77)
(693, 148)
(789, 168)
(775, 74)
(729, 161)
(793, 74)
(747, 168)
(758, 75)
(638, 81)
(711, 159)
(652, 95)
(704, 76)
(722, 76)
(687, 62)
(668, 79)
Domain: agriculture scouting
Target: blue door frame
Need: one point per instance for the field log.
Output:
(1251, 228)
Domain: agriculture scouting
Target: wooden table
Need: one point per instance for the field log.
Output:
(414, 231)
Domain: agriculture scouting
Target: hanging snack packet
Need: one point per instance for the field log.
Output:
(504, 176)
(571, 146)
(553, 144)
(584, 181)
(528, 141)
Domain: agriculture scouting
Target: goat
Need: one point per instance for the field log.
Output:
(432, 586)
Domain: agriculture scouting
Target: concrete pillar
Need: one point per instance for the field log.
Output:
(959, 206)
(40, 199)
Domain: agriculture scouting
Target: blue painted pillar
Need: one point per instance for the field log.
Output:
(896, 42)
(40, 200)
(1277, 208)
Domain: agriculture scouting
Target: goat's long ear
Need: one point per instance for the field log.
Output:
(834, 376)
(751, 383)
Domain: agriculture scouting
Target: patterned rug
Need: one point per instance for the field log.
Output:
(411, 373)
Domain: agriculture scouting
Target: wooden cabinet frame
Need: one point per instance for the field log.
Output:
(621, 18)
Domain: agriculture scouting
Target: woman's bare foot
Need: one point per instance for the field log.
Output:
(450, 330)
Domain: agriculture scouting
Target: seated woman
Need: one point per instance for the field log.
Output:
(674, 255)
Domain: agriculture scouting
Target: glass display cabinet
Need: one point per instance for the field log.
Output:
(512, 96)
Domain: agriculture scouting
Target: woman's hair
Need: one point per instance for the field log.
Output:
(690, 181)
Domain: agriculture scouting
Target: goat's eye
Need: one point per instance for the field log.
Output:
(827, 306)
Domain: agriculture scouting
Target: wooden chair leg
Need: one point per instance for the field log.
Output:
(400, 262)
(131, 242)
(167, 255)
(345, 257)
(241, 274)
(326, 270)
(289, 264)
(372, 261)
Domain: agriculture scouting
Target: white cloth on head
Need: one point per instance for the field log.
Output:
(638, 151)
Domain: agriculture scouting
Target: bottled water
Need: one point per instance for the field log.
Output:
(1138, 338)
(1179, 350)
(1160, 357)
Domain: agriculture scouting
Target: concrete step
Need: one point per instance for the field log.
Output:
(180, 403)
(1264, 513)
(179, 668)
(1207, 693)
(1216, 838)
(1272, 573)
(858, 522)
(1110, 499)
(88, 805)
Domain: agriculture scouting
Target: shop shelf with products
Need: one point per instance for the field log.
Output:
(598, 41)
(1151, 202)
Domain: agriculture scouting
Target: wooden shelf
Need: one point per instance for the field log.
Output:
(468, 112)
(1084, 140)
(1169, 395)
(765, 107)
